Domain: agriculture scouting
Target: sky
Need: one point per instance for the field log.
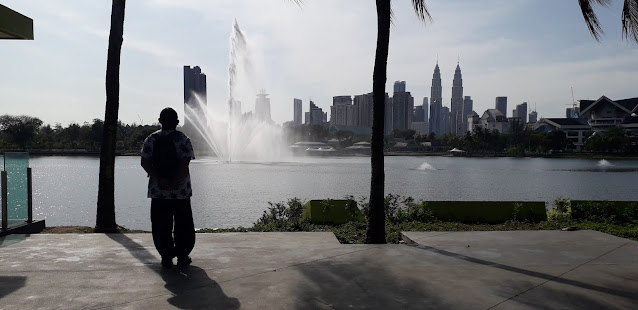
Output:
(532, 51)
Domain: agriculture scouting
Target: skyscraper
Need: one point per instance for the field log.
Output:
(387, 122)
(426, 109)
(402, 107)
(456, 117)
(316, 114)
(298, 109)
(521, 112)
(468, 107)
(436, 102)
(533, 117)
(194, 87)
(342, 111)
(262, 107)
(363, 108)
(501, 105)
(418, 115)
(399, 86)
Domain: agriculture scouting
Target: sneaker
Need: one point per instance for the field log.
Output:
(184, 261)
(167, 263)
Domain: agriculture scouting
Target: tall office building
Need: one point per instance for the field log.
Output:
(194, 87)
(399, 86)
(342, 111)
(387, 122)
(418, 115)
(262, 107)
(533, 117)
(446, 116)
(316, 114)
(468, 108)
(436, 102)
(298, 110)
(521, 112)
(426, 109)
(363, 109)
(456, 117)
(501, 105)
(402, 107)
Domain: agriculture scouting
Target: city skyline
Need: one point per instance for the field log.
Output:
(60, 75)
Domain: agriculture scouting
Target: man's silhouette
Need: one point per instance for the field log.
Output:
(165, 157)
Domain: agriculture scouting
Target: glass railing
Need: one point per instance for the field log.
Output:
(15, 198)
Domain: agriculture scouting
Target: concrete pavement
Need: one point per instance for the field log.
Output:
(443, 270)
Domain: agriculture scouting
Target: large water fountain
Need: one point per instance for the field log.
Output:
(229, 133)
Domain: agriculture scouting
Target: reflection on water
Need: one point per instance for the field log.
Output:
(228, 194)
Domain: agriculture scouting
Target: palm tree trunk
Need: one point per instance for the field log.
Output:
(105, 219)
(376, 218)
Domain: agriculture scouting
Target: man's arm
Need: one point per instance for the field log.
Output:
(147, 164)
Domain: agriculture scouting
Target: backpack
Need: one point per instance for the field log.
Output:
(164, 158)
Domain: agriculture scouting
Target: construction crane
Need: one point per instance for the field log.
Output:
(575, 111)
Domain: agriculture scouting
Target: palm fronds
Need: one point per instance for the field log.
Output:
(590, 16)
(630, 20)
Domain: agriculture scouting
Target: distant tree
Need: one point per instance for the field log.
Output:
(105, 218)
(555, 140)
(615, 139)
(20, 129)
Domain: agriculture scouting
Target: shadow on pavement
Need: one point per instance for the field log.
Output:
(362, 283)
(12, 239)
(191, 287)
(10, 284)
(550, 278)
(547, 297)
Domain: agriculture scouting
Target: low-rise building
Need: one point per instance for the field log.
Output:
(493, 119)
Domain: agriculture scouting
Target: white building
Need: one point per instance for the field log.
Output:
(493, 119)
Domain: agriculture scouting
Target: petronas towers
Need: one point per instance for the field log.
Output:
(454, 119)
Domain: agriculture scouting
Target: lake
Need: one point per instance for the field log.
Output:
(230, 194)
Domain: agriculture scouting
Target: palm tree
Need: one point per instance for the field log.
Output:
(376, 218)
(105, 219)
(375, 232)
(629, 18)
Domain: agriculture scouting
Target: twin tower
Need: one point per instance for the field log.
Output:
(454, 119)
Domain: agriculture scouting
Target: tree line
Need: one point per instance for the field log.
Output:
(23, 132)
(523, 141)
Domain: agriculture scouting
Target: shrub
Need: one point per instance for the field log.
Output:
(561, 204)
(283, 217)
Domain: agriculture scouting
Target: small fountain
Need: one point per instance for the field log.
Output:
(425, 166)
(604, 164)
(231, 135)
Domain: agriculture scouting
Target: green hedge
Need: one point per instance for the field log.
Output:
(332, 211)
(620, 212)
(490, 212)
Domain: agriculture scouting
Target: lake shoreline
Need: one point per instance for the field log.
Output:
(417, 154)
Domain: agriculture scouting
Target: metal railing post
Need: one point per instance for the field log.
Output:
(29, 196)
(3, 184)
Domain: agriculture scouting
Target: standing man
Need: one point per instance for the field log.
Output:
(165, 157)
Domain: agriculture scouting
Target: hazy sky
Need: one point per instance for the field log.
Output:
(527, 50)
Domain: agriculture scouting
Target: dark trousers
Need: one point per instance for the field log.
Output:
(165, 213)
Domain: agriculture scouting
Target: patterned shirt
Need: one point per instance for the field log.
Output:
(184, 150)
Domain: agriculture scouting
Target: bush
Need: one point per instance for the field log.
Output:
(283, 217)
(562, 205)
(405, 209)
(616, 212)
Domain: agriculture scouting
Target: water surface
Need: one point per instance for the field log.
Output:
(229, 194)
